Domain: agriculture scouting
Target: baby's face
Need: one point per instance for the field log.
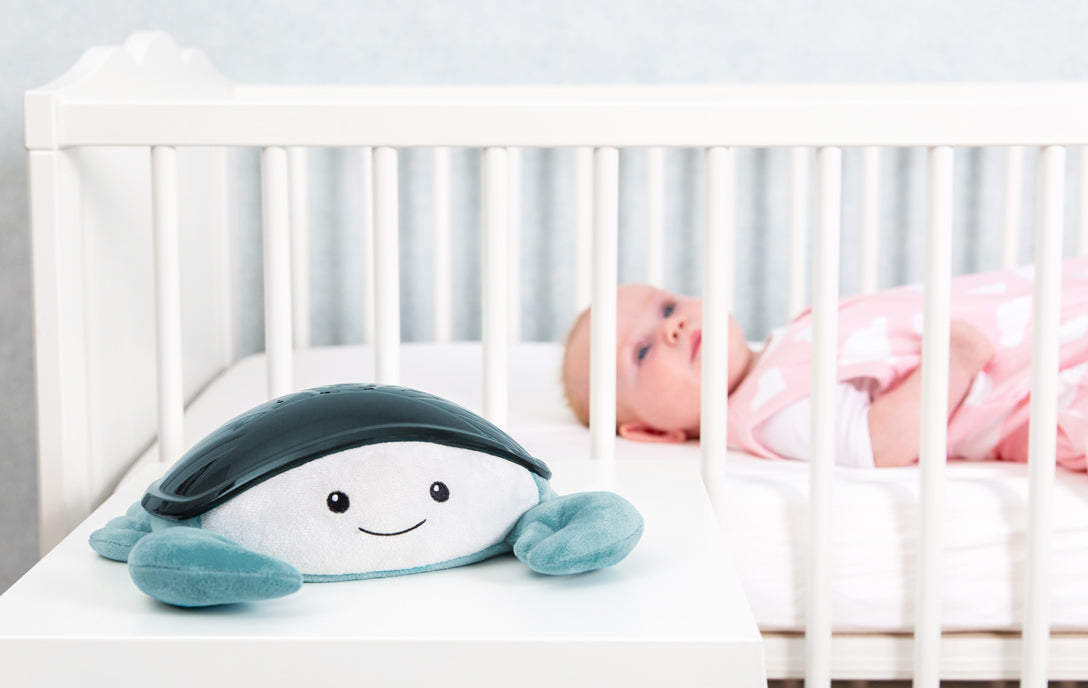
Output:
(658, 359)
(658, 363)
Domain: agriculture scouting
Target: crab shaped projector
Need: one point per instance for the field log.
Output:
(354, 481)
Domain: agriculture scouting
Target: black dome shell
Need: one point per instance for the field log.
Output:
(297, 428)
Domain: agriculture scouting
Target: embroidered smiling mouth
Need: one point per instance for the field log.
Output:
(697, 344)
(399, 532)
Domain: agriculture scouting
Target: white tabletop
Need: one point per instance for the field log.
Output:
(672, 613)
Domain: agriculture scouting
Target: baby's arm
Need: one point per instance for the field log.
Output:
(895, 418)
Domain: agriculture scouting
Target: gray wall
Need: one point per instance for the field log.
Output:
(547, 41)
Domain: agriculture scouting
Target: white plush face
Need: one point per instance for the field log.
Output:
(383, 507)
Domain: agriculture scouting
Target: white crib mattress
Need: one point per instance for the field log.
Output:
(874, 520)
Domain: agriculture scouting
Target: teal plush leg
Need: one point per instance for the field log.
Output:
(189, 567)
(118, 537)
(576, 533)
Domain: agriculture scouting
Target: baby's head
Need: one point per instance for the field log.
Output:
(658, 364)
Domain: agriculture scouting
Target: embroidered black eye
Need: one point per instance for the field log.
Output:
(338, 502)
(668, 310)
(439, 492)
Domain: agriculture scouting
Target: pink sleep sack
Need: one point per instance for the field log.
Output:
(880, 343)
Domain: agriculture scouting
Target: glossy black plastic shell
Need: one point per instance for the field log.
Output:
(297, 428)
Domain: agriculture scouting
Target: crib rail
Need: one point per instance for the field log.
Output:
(1043, 438)
(280, 121)
(670, 116)
(934, 420)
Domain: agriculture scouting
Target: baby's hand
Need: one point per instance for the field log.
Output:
(895, 416)
(968, 349)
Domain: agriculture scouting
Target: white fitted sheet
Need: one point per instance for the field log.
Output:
(874, 520)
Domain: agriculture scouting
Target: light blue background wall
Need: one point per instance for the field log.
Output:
(549, 41)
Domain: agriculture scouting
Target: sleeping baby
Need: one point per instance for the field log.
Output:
(659, 343)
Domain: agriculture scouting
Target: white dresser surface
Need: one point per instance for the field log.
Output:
(672, 613)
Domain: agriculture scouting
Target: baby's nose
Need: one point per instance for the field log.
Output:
(673, 327)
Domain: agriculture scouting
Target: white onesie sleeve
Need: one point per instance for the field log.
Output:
(787, 432)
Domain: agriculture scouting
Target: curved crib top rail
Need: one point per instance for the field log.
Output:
(151, 92)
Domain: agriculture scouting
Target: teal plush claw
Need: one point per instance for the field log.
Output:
(577, 533)
(190, 567)
(120, 535)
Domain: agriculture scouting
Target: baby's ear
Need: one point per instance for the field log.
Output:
(640, 432)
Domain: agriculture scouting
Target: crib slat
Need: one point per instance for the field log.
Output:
(719, 264)
(1042, 436)
(655, 214)
(583, 228)
(277, 269)
(60, 340)
(825, 292)
(164, 204)
(513, 240)
(1082, 204)
(386, 268)
(366, 201)
(934, 419)
(799, 214)
(496, 216)
(222, 198)
(870, 218)
(443, 259)
(299, 202)
(602, 366)
(1014, 192)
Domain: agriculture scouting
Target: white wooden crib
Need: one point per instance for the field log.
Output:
(133, 191)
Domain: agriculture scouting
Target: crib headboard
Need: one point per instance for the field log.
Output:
(93, 280)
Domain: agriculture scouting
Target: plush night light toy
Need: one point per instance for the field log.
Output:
(354, 481)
